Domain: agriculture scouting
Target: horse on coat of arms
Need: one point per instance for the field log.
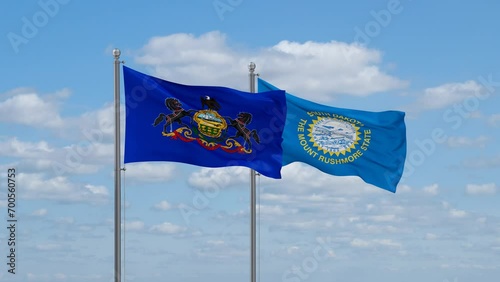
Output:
(176, 116)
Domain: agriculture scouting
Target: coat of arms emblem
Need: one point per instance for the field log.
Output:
(207, 126)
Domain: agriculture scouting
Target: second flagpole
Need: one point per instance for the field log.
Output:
(253, 199)
(118, 234)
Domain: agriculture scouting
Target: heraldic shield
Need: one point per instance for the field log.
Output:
(207, 127)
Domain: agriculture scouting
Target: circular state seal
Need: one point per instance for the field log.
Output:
(333, 136)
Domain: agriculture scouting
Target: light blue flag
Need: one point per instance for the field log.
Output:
(371, 145)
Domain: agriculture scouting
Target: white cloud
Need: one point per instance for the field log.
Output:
(86, 228)
(92, 132)
(136, 225)
(12, 147)
(182, 57)
(430, 236)
(463, 141)
(377, 228)
(275, 210)
(457, 213)
(61, 189)
(219, 178)
(370, 207)
(298, 178)
(320, 69)
(215, 242)
(489, 162)
(167, 228)
(353, 219)
(448, 94)
(494, 120)
(360, 243)
(403, 188)
(97, 190)
(29, 108)
(431, 189)
(384, 218)
(40, 212)
(89, 134)
(60, 276)
(150, 172)
(445, 205)
(209, 48)
(292, 250)
(82, 157)
(481, 189)
(482, 220)
(99, 123)
(65, 220)
(302, 224)
(48, 247)
(163, 206)
(388, 243)
(275, 197)
(219, 250)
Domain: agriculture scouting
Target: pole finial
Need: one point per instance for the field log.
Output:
(116, 53)
(251, 67)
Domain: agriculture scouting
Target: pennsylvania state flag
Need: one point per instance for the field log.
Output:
(371, 145)
(207, 126)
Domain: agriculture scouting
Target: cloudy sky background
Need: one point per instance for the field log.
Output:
(437, 62)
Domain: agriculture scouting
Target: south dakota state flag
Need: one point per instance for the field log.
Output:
(371, 145)
(202, 125)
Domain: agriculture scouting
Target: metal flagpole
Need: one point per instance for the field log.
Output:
(253, 176)
(118, 234)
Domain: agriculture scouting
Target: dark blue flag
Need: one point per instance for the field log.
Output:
(207, 126)
(371, 145)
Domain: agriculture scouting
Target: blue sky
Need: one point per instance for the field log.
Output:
(435, 60)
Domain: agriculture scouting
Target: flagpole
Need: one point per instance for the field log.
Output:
(253, 176)
(118, 271)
